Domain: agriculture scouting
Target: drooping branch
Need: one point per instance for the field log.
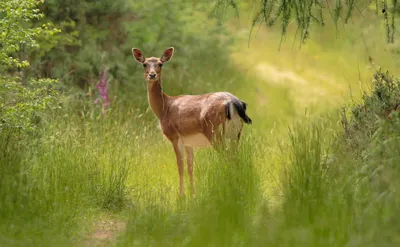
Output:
(308, 12)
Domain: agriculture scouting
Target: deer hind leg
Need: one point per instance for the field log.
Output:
(239, 133)
(189, 157)
(220, 141)
(179, 153)
(215, 134)
(233, 132)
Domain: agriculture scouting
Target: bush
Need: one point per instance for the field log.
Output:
(342, 189)
(368, 116)
(22, 98)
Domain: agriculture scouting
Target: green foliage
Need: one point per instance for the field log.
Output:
(335, 193)
(101, 35)
(305, 180)
(219, 214)
(74, 165)
(346, 192)
(330, 195)
(88, 30)
(16, 31)
(310, 12)
(54, 183)
(21, 105)
(304, 13)
(372, 131)
(389, 19)
(372, 140)
(316, 196)
(21, 99)
(79, 162)
(382, 103)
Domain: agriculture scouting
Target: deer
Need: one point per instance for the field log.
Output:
(191, 121)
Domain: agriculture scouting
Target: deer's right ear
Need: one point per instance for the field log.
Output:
(138, 55)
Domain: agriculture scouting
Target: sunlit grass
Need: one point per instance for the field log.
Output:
(275, 190)
(332, 68)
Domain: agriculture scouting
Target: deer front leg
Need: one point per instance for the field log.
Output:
(189, 157)
(179, 152)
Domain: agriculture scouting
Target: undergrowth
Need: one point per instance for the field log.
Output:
(331, 187)
(333, 193)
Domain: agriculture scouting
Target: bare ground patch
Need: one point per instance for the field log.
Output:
(105, 232)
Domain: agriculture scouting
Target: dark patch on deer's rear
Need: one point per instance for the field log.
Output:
(240, 107)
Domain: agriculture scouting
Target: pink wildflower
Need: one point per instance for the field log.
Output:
(102, 87)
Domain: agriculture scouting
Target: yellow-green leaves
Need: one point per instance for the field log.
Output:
(18, 32)
(22, 97)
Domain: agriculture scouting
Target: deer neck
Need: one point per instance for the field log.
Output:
(156, 97)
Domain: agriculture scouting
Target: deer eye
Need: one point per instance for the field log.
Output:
(160, 64)
(144, 65)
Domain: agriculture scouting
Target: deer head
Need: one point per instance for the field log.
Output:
(152, 65)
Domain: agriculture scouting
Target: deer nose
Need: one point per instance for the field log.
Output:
(152, 75)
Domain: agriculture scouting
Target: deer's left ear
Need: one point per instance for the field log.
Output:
(167, 55)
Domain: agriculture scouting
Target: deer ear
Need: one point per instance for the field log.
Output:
(167, 55)
(138, 55)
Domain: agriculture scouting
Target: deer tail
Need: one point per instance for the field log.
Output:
(240, 107)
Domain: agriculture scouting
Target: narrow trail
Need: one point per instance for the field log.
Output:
(105, 231)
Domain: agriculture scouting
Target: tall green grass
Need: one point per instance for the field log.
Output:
(329, 196)
(314, 187)
(227, 190)
(230, 208)
(328, 192)
(52, 186)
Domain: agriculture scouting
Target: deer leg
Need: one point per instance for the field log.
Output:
(215, 135)
(218, 134)
(239, 133)
(189, 157)
(179, 152)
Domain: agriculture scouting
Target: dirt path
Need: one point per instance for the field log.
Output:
(105, 232)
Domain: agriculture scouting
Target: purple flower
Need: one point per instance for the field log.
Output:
(102, 87)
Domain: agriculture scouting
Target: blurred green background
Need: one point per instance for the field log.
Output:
(318, 166)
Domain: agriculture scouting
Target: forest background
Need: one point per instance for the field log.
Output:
(316, 168)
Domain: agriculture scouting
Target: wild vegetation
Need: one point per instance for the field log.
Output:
(308, 13)
(83, 162)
